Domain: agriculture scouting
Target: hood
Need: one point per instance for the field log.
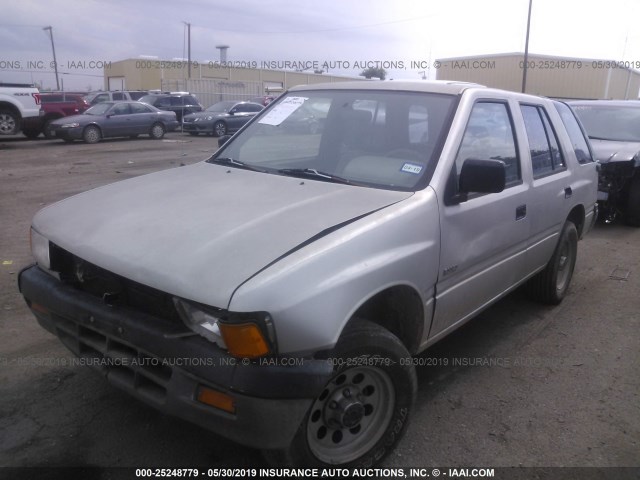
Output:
(200, 231)
(613, 151)
(205, 114)
(75, 118)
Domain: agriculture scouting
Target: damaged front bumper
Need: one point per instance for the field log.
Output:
(153, 360)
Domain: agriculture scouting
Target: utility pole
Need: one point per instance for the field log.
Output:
(188, 49)
(526, 51)
(55, 62)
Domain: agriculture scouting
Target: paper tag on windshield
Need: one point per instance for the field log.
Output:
(281, 112)
(412, 168)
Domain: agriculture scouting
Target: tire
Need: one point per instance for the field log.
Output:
(9, 122)
(219, 129)
(551, 284)
(31, 133)
(157, 131)
(194, 134)
(91, 134)
(133, 137)
(67, 140)
(46, 130)
(632, 213)
(363, 410)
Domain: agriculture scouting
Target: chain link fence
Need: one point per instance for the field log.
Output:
(211, 91)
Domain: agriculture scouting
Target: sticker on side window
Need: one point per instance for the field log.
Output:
(414, 168)
(282, 111)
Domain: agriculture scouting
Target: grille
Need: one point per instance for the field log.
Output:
(111, 288)
(123, 364)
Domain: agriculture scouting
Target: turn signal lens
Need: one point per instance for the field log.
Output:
(244, 340)
(216, 399)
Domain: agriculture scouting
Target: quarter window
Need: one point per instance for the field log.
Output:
(546, 157)
(489, 136)
(576, 134)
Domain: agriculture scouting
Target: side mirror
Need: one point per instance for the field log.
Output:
(481, 176)
(232, 111)
(223, 139)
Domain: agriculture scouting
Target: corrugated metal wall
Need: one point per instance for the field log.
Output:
(557, 77)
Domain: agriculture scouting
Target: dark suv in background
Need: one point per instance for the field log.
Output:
(181, 103)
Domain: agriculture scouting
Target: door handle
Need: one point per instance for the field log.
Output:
(568, 192)
(521, 212)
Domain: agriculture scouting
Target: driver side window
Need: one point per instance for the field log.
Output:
(489, 136)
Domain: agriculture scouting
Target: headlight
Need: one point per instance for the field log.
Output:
(201, 322)
(40, 249)
(244, 335)
(70, 125)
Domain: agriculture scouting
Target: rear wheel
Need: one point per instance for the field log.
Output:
(551, 284)
(219, 128)
(632, 213)
(363, 409)
(157, 131)
(8, 122)
(31, 132)
(91, 134)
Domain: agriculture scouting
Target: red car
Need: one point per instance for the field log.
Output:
(55, 105)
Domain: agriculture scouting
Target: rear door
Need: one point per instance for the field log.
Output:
(484, 239)
(552, 187)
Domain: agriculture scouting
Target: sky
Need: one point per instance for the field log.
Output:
(333, 33)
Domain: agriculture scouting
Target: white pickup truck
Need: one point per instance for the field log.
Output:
(17, 102)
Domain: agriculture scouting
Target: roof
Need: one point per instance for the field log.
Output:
(434, 86)
(605, 103)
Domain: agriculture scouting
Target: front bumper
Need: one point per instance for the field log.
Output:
(74, 133)
(197, 126)
(141, 354)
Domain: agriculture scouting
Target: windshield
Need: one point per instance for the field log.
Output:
(372, 138)
(221, 107)
(99, 109)
(620, 123)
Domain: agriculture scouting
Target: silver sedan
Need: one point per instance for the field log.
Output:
(115, 119)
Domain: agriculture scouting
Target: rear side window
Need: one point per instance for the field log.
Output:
(118, 96)
(546, 157)
(489, 136)
(576, 134)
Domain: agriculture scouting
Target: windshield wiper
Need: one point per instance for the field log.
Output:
(313, 173)
(235, 163)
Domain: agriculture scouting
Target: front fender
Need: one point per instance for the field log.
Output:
(312, 293)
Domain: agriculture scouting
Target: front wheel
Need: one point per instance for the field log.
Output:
(220, 129)
(632, 212)
(157, 131)
(363, 409)
(91, 134)
(551, 284)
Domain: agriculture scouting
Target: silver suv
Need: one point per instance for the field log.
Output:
(98, 97)
(276, 292)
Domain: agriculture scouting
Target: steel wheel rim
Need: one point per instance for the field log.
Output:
(350, 415)
(564, 265)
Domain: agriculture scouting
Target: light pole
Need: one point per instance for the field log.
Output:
(55, 62)
(526, 51)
